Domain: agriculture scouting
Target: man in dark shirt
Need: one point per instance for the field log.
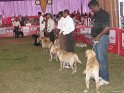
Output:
(100, 35)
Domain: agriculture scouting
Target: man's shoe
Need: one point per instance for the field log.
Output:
(103, 82)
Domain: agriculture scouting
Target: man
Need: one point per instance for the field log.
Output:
(61, 24)
(67, 31)
(50, 27)
(42, 24)
(16, 25)
(100, 35)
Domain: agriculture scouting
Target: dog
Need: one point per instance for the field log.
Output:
(20, 33)
(56, 41)
(54, 47)
(53, 55)
(46, 43)
(92, 69)
(39, 39)
(67, 58)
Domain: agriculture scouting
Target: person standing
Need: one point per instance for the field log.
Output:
(16, 25)
(61, 24)
(67, 31)
(50, 27)
(100, 36)
(41, 24)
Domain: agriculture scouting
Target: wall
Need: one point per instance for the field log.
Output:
(28, 7)
(112, 7)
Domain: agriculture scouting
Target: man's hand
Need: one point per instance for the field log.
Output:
(62, 33)
(96, 38)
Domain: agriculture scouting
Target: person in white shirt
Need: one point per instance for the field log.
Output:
(13, 19)
(60, 26)
(50, 27)
(67, 31)
(16, 25)
(41, 24)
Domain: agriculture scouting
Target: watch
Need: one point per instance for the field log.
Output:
(37, 2)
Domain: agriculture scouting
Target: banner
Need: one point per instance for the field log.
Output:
(43, 4)
(113, 41)
(0, 20)
(25, 29)
(8, 31)
(122, 40)
(112, 37)
(2, 31)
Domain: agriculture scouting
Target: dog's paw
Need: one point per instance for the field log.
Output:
(85, 91)
(60, 69)
(50, 60)
(73, 72)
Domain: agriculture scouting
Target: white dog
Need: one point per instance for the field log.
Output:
(69, 58)
(53, 48)
(92, 69)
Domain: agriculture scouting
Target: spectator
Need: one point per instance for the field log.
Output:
(50, 27)
(61, 24)
(67, 31)
(16, 25)
(41, 24)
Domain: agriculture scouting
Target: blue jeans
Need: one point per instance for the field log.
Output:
(100, 49)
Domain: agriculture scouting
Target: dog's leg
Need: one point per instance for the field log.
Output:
(51, 55)
(61, 65)
(97, 83)
(87, 81)
(72, 66)
(56, 57)
(75, 67)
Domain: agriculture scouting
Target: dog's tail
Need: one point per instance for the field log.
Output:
(77, 59)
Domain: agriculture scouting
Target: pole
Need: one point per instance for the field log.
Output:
(52, 7)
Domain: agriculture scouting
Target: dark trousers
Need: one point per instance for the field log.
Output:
(69, 43)
(16, 31)
(35, 40)
(52, 36)
(62, 41)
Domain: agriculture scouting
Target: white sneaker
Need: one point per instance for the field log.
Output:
(67, 66)
(103, 82)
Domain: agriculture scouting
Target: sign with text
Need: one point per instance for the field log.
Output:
(25, 29)
(2, 31)
(112, 36)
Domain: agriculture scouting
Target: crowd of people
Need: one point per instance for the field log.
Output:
(64, 30)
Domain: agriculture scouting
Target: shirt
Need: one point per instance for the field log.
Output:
(101, 19)
(61, 24)
(68, 26)
(42, 23)
(16, 23)
(50, 25)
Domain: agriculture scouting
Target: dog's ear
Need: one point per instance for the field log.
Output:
(87, 52)
(94, 53)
